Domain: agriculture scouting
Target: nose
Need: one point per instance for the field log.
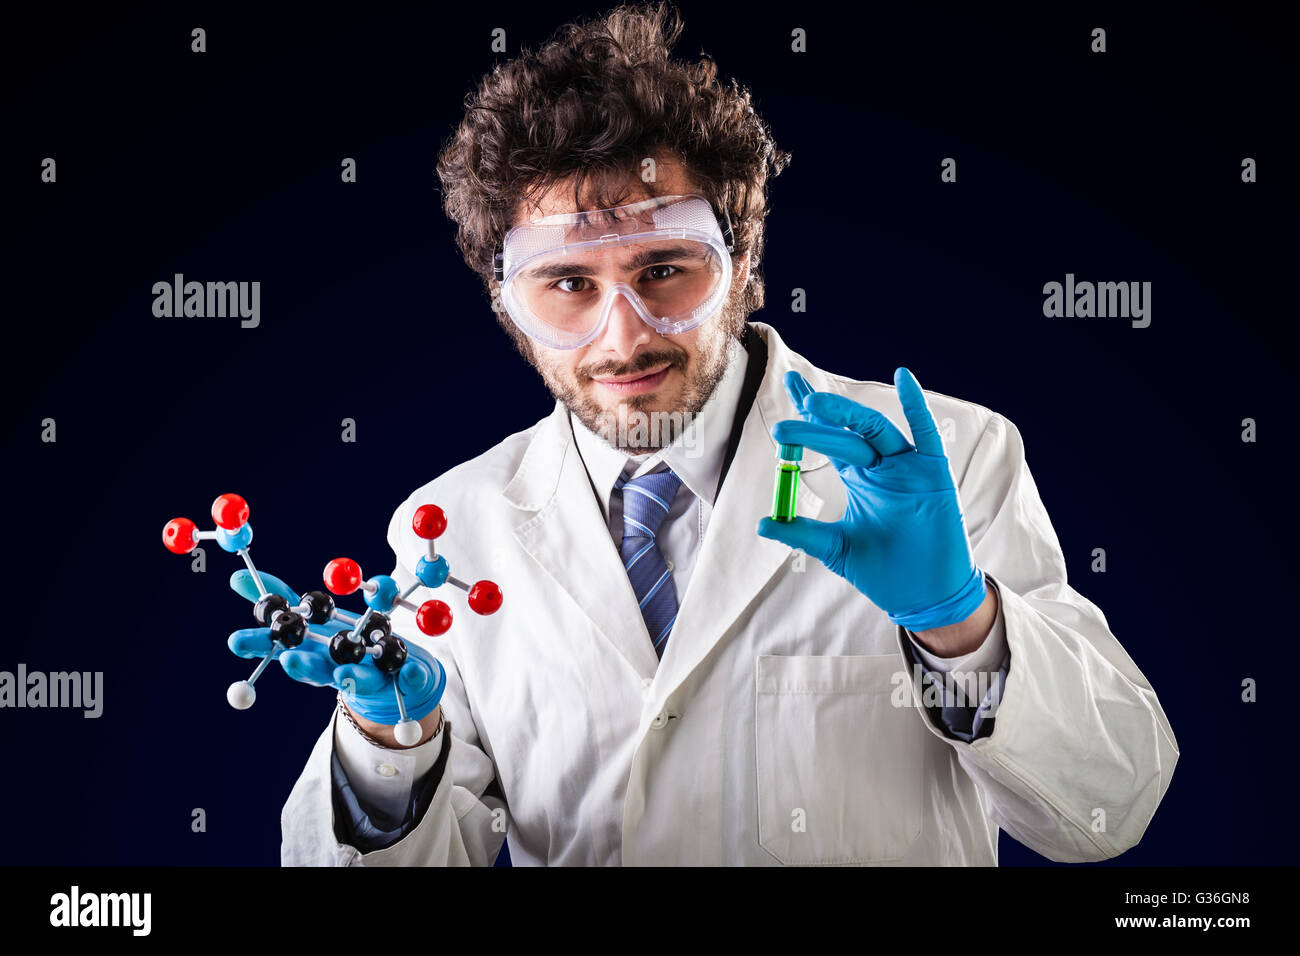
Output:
(624, 331)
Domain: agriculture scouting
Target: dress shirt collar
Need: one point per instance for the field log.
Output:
(695, 456)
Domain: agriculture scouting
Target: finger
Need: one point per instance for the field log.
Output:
(842, 446)
(308, 665)
(838, 463)
(924, 433)
(360, 680)
(330, 628)
(243, 584)
(417, 678)
(250, 642)
(798, 389)
(870, 424)
(821, 539)
(257, 641)
(414, 676)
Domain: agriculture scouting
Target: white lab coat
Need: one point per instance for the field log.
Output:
(769, 733)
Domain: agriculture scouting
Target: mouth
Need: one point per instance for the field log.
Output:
(632, 385)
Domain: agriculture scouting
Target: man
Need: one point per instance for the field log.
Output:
(672, 680)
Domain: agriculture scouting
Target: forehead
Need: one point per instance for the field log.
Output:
(671, 179)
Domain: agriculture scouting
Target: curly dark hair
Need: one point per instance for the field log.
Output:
(591, 103)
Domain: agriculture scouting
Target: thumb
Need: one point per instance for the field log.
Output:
(242, 583)
(414, 677)
(361, 680)
(418, 678)
(820, 539)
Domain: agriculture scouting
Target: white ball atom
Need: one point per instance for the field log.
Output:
(407, 732)
(241, 695)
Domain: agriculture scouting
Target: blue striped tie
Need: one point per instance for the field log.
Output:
(646, 502)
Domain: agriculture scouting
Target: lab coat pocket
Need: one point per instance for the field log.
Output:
(840, 768)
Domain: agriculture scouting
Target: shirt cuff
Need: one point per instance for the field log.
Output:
(948, 681)
(381, 778)
(356, 826)
(987, 657)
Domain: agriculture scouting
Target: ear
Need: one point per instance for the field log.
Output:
(740, 272)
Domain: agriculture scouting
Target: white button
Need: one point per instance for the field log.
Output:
(660, 720)
(386, 769)
(669, 564)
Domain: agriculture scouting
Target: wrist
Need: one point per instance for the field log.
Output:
(965, 636)
(382, 735)
(955, 610)
(420, 694)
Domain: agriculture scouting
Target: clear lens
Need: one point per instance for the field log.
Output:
(567, 290)
(664, 257)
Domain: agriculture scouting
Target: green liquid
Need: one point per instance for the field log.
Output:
(787, 487)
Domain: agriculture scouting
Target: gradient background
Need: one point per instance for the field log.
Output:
(225, 166)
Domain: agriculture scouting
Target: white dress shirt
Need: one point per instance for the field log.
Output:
(695, 457)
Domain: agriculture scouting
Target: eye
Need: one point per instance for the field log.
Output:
(661, 272)
(577, 284)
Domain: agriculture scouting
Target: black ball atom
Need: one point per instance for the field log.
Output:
(392, 654)
(319, 606)
(376, 628)
(266, 606)
(344, 650)
(289, 628)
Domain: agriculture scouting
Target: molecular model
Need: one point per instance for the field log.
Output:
(369, 634)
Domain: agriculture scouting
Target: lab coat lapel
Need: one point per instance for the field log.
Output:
(561, 526)
(734, 562)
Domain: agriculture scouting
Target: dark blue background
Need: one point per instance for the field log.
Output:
(225, 166)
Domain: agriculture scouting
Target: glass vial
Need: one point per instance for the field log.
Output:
(787, 482)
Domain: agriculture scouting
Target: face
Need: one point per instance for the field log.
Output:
(629, 372)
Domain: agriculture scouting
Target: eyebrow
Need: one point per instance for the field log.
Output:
(646, 257)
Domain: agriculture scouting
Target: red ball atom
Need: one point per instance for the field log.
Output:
(429, 522)
(484, 597)
(178, 536)
(230, 511)
(342, 576)
(434, 617)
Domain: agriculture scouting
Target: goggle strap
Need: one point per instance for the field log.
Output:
(728, 237)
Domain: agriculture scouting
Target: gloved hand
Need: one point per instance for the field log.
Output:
(368, 690)
(902, 541)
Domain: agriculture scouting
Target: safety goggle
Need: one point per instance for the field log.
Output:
(668, 256)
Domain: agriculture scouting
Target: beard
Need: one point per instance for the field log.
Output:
(625, 427)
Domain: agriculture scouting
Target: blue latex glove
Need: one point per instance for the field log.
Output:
(368, 690)
(902, 541)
